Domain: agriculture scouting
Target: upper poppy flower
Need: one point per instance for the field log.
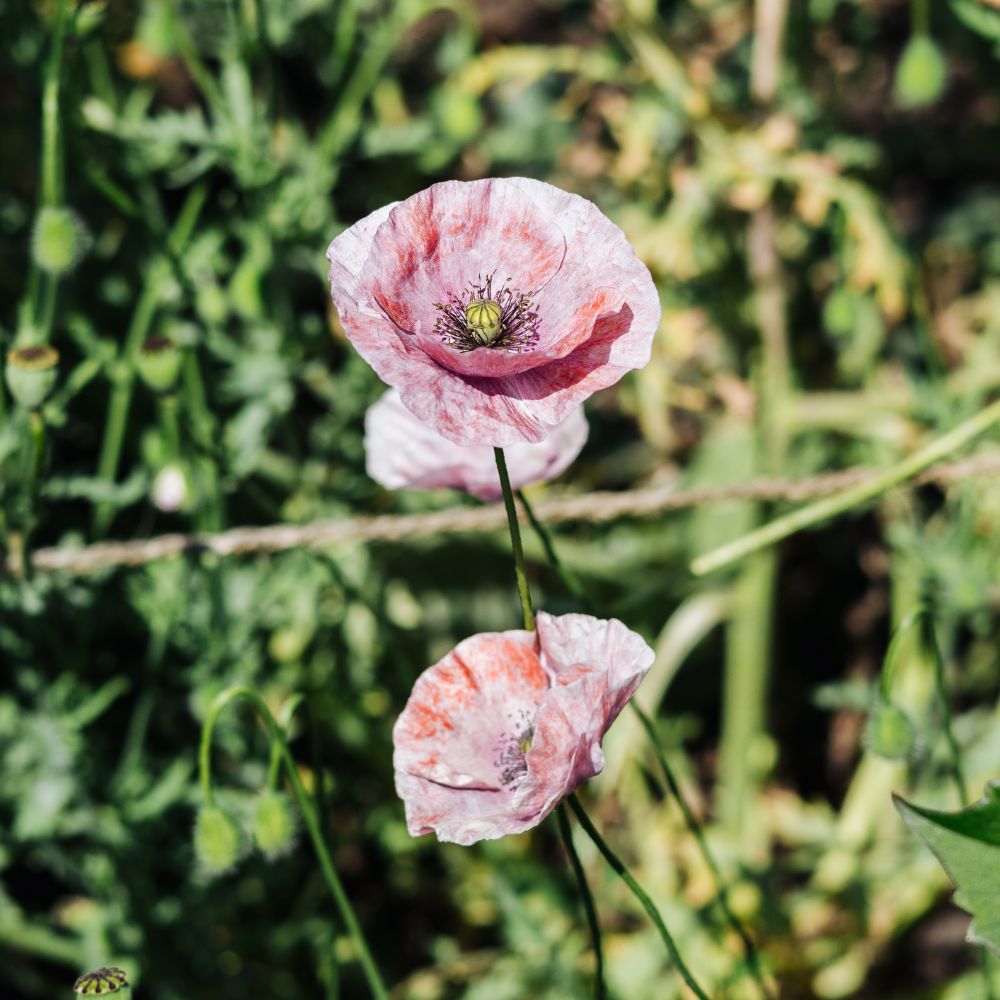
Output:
(402, 452)
(495, 307)
(508, 723)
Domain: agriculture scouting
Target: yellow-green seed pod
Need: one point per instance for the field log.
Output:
(483, 319)
(921, 73)
(31, 374)
(217, 840)
(101, 982)
(890, 732)
(273, 824)
(159, 363)
(59, 240)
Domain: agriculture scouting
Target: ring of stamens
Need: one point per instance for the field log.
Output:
(486, 317)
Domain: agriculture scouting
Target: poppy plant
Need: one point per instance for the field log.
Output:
(494, 307)
(402, 452)
(507, 724)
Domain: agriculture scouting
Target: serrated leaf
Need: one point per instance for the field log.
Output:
(967, 843)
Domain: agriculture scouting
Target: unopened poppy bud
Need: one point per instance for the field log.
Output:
(217, 841)
(109, 979)
(159, 363)
(921, 73)
(483, 319)
(890, 732)
(59, 240)
(273, 824)
(840, 312)
(31, 374)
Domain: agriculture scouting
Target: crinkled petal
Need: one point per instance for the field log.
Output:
(402, 452)
(598, 308)
(467, 712)
(587, 667)
(595, 665)
(459, 815)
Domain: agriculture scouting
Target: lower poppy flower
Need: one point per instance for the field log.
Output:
(496, 733)
(402, 452)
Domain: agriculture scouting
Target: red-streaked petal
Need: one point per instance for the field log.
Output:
(467, 711)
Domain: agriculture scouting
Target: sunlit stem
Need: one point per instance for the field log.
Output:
(573, 585)
(375, 984)
(600, 990)
(515, 541)
(691, 821)
(822, 510)
(618, 866)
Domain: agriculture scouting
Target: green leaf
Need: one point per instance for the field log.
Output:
(967, 843)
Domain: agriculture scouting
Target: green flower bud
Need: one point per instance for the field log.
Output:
(921, 73)
(840, 312)
(159, 363)
(109, 979)
(59, 240)
(483, 319)
(217, 840)
(273, 824)
(31, 374)
(890, 732)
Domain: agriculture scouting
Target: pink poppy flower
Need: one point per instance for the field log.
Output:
(402, 452)
(508, 723)
(495, 307)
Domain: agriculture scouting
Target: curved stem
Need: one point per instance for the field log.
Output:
(375, 984)
(691, 821)
(929, 638)
(568, 577)
(823, 510)
(574, 586)
(600, 990)
(515, 541)
(618, 866)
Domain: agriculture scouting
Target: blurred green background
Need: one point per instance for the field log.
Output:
(816, 191)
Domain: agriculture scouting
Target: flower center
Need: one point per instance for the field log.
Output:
(484, 317)
(512, 748)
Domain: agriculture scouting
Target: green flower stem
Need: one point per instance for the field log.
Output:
(51, 149)
(920, 17)
(574, 586)
(568, 577)
(20, 541)
(618, 866)
(691, 821)
(168, 422)
(515, 541)
(41, 289)
(822, 510)
(929, 638)
(145, 312)
(562, 819)
(375, 984)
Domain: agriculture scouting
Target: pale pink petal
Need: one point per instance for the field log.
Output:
(466, 713)
(458, 816)
(402, 452)
(597, 306)
(580, 672)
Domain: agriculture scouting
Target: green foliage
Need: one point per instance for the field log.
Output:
(177, 173)
(967, 843)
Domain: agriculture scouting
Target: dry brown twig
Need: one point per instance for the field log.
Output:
(593, 508)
